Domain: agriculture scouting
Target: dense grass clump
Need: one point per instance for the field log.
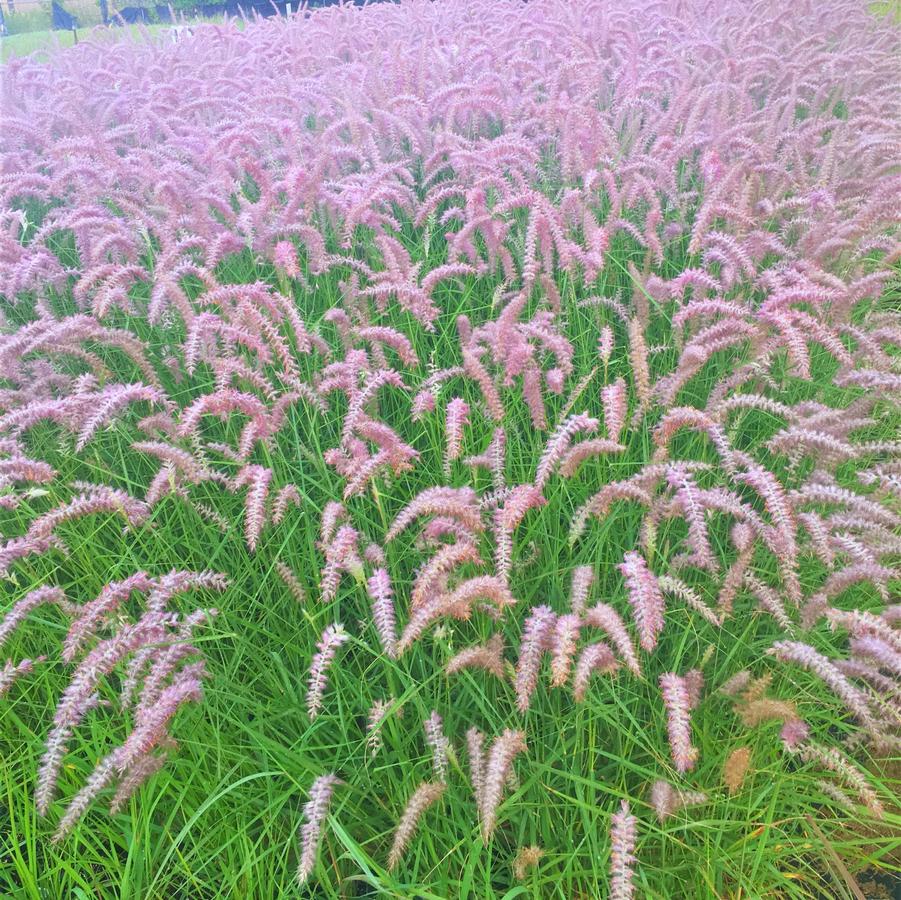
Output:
(451, 450)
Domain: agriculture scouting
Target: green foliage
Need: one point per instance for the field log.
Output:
(221, 820)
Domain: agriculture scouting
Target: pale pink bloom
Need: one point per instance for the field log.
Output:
(584, 450)
(256, 478)
(457, 418)
(90, 615)
(837, 762)
(420, 800)
(332, 638)
(804, 655)
(794, 733)
(677, 698)
(315, 812)
(433, 575)
(286, 573)
(424, 402)
(378, 712)
(667, 800)
(559, 443)
(594, 658)
(143, 770)
(605, 617)
(460, 600)
(374, 554)
(439, 745)
(497, 769)
(341, 555)
(390, 337)
(615, 399)
(10, 672)
(582, 579)
(288, 495)
(563, 647)
(605, 345)
(458, 503)
(623, 834)
(487, 656)
(381, 593)
(517, 503)
(645, 597)
(536, 636)
(332, 516)
(285, 258)
(475, 745)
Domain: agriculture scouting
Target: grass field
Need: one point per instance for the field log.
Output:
(47, 42)
(168, 221)
(221, 820)
(22, 44)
